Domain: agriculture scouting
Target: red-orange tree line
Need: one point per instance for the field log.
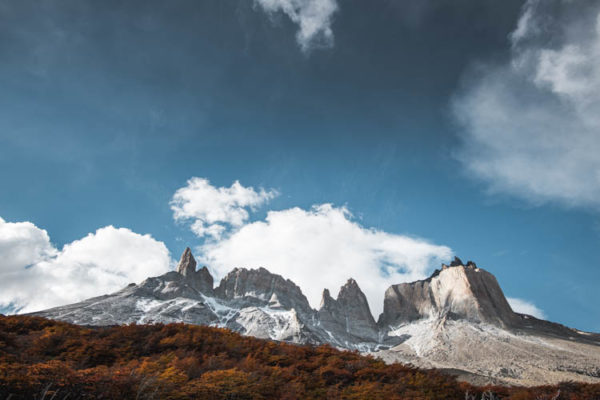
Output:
(43, 358)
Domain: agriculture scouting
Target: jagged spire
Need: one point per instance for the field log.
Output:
(354, 300)
(187, 263)
(349, 313)
(326, 299)
(456, 262)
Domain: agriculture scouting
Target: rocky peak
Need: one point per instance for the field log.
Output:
(456, 291)
(200, 280)
(349, 288)
(187, 263)
(456, 262)
(326, 299)
(203, 280)
(349, 313)
(260, 285)
(354, 300)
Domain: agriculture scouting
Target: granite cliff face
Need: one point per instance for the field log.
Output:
(458, 319)
(457, 292)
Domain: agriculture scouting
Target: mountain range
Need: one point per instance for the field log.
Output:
(457, 320)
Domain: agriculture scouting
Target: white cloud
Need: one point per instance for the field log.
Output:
(323, 247)
(35, 275)
(313, 17)
(525, 307)
(211, 208)
(532, 124)
(23, 244)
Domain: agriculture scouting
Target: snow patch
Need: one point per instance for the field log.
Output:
(147, 305)
(224, 313)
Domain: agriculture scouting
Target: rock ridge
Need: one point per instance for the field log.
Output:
(261, 287)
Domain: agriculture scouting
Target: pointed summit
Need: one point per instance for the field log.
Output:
(457, 262)
(349, 313)
(326, 299)
(203, 280)
(200, 280)
(187, 263)
(350, 291)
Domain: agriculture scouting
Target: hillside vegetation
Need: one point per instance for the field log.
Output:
(45, 359)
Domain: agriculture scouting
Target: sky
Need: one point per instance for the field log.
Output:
(320, 139)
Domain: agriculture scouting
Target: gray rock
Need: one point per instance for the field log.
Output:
(259, 287)
(165, 287)
(458, 291)
(349, 314)
(203, 281)
(200, 280)
(187, 263)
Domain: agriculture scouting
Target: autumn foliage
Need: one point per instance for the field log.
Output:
(40, 358)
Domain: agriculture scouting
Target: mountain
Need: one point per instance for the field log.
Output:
(457, 291)
(348, 313)
(457, 319)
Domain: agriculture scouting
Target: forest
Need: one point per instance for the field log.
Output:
(45, 359)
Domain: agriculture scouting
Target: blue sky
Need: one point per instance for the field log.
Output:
(411, 116)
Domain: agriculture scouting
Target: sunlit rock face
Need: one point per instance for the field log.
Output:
(457, 292)
(457, 319)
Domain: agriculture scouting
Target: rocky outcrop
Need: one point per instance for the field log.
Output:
(187, 263)
(165, 287)
(261, 287)
(200, 280)
(203, 281)
(457, 262)
(348, 314)
(456, 291)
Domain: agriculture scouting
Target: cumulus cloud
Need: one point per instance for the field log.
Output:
(213, 210)
(321, 248)
(35, 275)
(525, 307)
(23, 244)
(313, 17)
(532, 124)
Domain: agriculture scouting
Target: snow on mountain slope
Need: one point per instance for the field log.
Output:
(487, 353)
(458, 319)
